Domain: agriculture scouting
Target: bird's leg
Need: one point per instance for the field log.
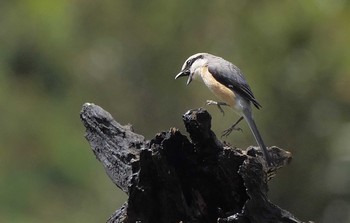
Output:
(233, 127)
(219, 104)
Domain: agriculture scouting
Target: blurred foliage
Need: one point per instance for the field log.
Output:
(123, 55)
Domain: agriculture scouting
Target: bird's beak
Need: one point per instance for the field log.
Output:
(185, 73)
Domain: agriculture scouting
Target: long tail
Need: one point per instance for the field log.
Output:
(247, 114)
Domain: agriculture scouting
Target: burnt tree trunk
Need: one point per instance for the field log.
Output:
(173, 179)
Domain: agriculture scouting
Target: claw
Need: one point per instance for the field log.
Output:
(228, 131)
(211, 102)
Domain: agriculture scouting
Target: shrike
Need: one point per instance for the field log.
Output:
(226, 81)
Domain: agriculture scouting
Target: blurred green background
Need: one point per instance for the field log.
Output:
(123, 56)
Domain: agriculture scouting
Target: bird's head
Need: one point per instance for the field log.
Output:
(191, 65)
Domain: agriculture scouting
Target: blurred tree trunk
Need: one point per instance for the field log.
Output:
(173, 179)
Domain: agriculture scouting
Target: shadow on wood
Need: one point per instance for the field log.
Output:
(173, 179)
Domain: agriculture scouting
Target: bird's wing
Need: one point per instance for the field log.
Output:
(229, 75)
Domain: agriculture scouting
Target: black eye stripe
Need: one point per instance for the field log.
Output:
(191, 61)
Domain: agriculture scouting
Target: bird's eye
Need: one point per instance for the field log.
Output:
(189, 62)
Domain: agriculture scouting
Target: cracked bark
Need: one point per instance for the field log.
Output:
(173, 179)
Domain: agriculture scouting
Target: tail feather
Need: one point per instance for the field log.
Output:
(251, 123)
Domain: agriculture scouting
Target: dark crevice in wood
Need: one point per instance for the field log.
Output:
(173, 179)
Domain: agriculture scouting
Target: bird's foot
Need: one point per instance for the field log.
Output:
(219, 104)
(228, 131)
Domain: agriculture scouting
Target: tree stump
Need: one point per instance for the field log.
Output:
(173, 179)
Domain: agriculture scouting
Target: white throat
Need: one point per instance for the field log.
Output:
(197, 67)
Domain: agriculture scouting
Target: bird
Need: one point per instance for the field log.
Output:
(227, 83)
